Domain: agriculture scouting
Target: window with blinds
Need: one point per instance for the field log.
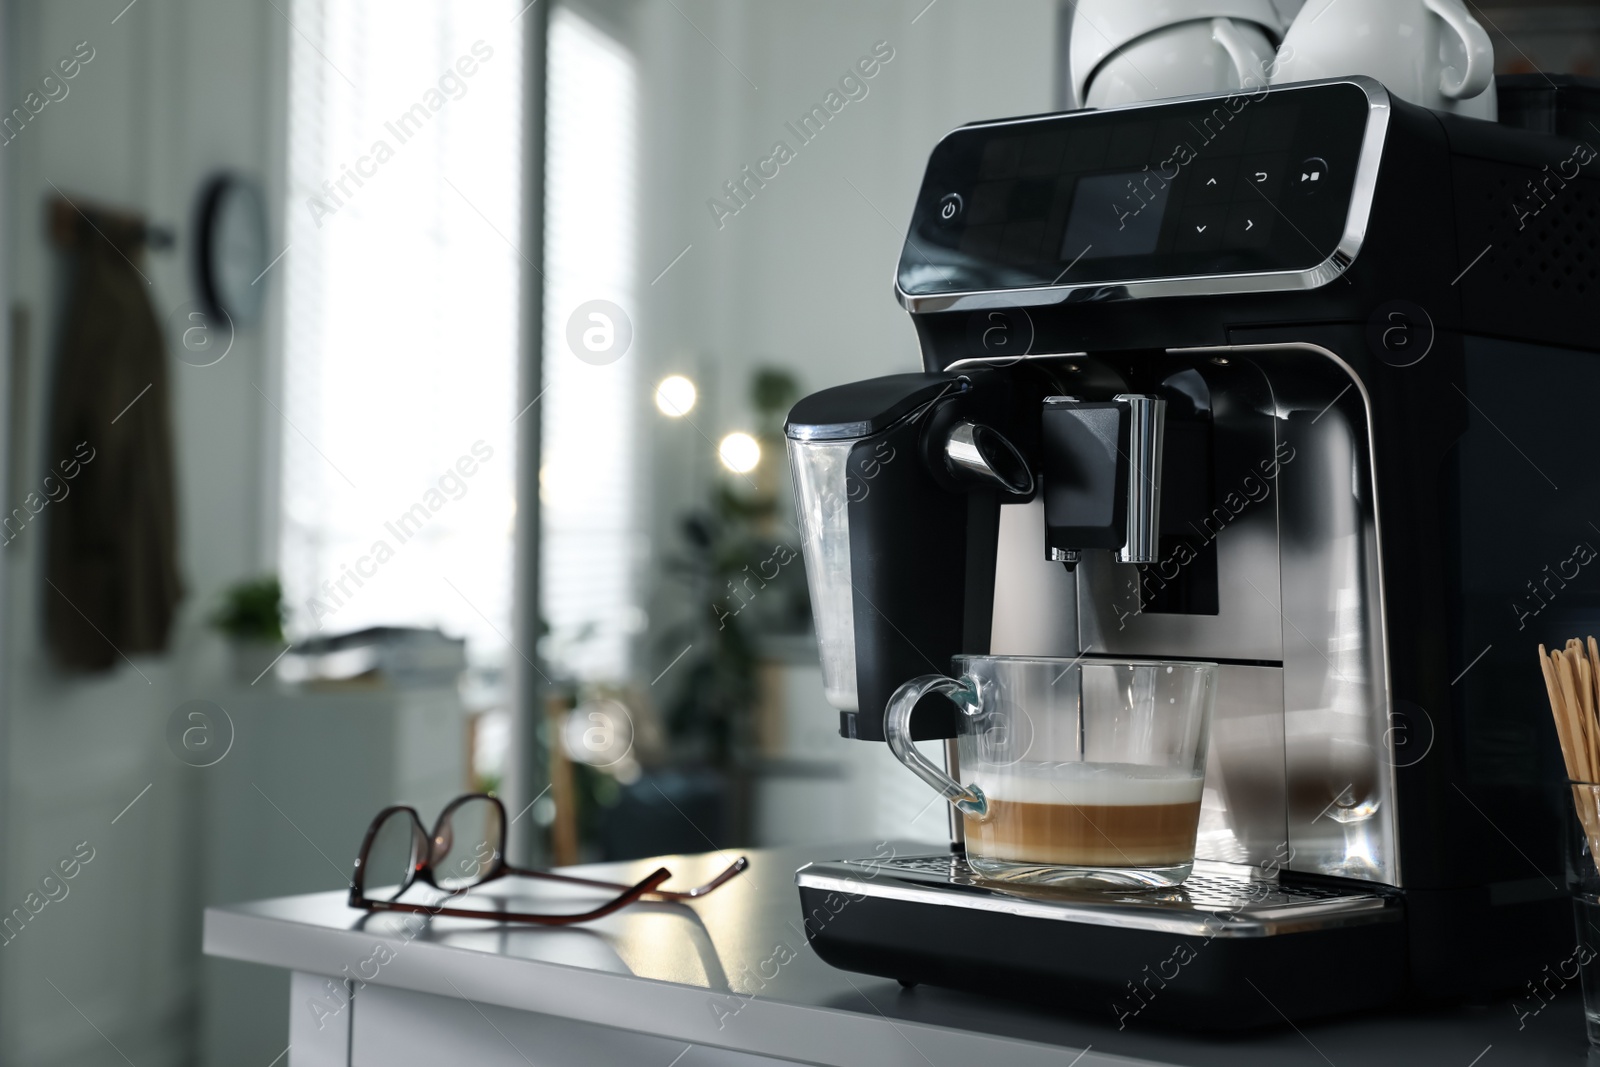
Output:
(587, 487)
(401, 316)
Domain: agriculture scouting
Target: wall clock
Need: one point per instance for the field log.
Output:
(233, 249)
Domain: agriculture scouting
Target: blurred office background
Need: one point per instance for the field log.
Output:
(518, 292)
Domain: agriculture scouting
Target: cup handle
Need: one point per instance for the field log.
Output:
(1474, 41)
(1225, 33)
(897, 729)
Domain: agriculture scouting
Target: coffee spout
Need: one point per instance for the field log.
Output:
(1101, 466)
(980, 455)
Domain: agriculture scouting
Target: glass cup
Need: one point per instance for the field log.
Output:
(1083, 772)
(1583, 879)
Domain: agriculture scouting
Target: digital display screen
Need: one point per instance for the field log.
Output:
(1249, 183)
(1115, 215)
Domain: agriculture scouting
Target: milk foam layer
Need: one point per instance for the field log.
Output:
(1090, 784)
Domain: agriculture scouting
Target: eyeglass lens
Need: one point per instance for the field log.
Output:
(392, 858)
(467, 843)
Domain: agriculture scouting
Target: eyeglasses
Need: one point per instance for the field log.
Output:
(466, 850)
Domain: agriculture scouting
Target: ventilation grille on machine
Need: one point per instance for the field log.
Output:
(1535, 231)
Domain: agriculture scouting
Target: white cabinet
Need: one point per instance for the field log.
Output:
(814, 786)
(284, 812)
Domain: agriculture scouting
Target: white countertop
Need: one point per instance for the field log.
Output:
(733, 971)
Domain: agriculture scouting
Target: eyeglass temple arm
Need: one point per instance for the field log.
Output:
(732, 871)
(629, 895)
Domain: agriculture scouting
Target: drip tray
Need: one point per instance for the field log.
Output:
(1198, 957)
(1226, 900)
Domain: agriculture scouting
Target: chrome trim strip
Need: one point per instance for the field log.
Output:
(1010, 361)
(1377, 534)
(1285, 919)
(1338, 261)
(1148, 416)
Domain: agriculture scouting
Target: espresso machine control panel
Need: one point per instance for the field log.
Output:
(1264, 186)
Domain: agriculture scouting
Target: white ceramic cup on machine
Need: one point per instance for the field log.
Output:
(1211, 56)
(1429, 52)
(1125, 51)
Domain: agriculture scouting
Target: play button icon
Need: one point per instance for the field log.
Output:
(1313, 173)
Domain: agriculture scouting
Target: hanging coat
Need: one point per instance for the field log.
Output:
(112, 555)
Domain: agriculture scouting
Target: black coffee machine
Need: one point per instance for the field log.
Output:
(1293, 381)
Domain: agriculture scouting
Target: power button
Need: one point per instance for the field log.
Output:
(950, 208)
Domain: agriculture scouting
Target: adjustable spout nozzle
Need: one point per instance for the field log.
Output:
(980, 455)
(1067, 557)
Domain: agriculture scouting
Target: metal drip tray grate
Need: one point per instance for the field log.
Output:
(1217, 900)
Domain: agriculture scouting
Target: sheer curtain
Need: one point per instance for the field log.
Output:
(401, 276)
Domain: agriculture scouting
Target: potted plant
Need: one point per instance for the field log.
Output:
(739, 565)
(251, 617)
